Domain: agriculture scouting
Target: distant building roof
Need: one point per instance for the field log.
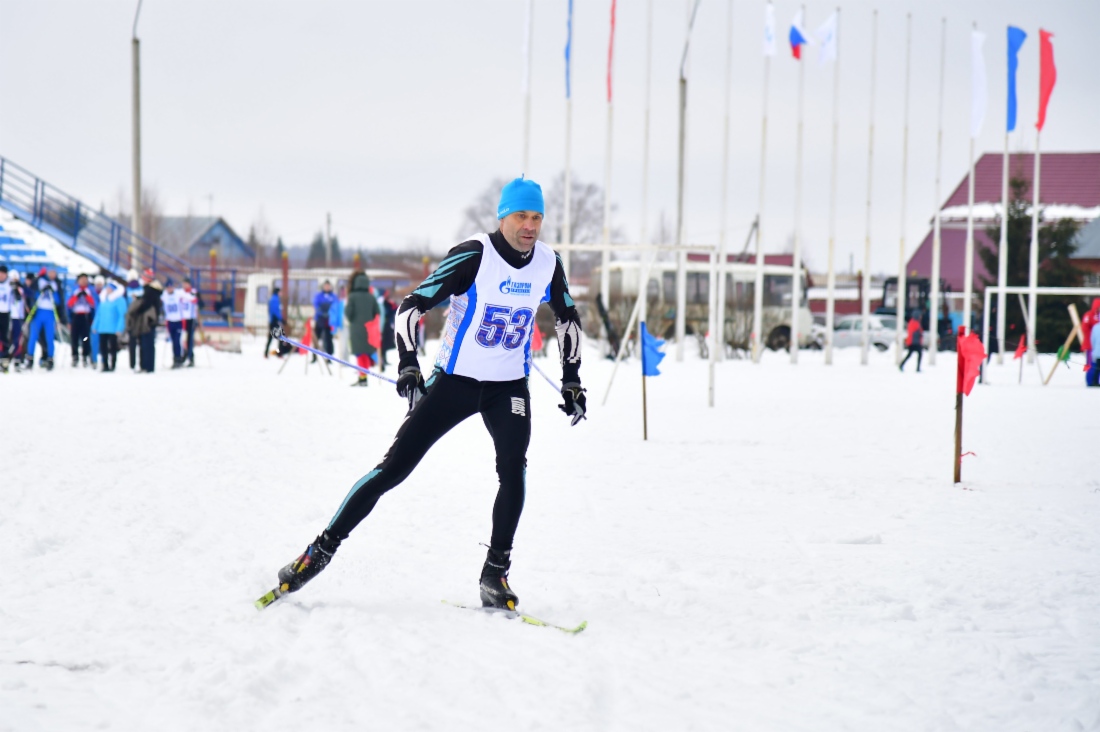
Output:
(1069, 189)
(1069, 186)
(178, 234)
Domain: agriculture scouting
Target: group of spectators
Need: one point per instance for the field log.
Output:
(369, 315)
(100, 315)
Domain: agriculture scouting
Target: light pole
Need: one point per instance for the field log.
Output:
(135, 46)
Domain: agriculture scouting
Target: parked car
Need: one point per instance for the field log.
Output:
(882, 331)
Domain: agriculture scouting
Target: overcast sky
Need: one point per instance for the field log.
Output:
(393, 116)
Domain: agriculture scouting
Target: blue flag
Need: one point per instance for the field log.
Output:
(651, 354)
(1015, 40)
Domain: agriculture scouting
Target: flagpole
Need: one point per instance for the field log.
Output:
(681, 255)
(1014, 42)
(605, 255)
(645, 406)
(796, 261)
(830, 297)
(902, 307)
(527, 89)
(865, 306)
(643, 282)
(645, 267)
(567, 218)
(1002, 258)
(643, 286)
(1033, 259)
(758, 285)
(718, 260)
(1047, 78)
(934, 312)
(977, 116)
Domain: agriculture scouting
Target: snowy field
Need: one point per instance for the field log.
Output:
(796, 558)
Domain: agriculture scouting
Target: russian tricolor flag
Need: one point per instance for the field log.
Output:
(797, 37)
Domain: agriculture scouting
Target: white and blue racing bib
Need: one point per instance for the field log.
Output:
(488, 332)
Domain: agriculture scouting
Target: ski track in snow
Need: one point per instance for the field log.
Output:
(795, 559)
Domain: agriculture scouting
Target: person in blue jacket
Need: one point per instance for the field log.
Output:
(323, 303)
(43, 320)
(274, 317)
(110, 321)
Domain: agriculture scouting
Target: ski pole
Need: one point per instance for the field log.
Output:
(277, 332)
(543, 374)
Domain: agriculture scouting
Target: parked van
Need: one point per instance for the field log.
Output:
(304, 284)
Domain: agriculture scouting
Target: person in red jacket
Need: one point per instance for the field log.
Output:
(81, 305)
(913, 340)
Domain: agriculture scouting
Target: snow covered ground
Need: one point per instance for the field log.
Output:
(796, 558)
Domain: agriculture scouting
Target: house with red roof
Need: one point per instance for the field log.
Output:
(1069, 189)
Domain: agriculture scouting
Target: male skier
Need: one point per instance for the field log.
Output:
(496, 283)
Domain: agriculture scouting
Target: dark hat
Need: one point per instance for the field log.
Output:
(3, 268)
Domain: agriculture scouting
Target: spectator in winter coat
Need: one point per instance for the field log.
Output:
(389, 312)
(1088, 340)
(1092, 378)
(133, 292)
(81, 306)
(109, 322)
(913, 340)
(141, 320)
(323, 302)
(274, 318)
(98, 283)
(364, 338)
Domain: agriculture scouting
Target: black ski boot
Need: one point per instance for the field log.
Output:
(307, 566)
(495, 591)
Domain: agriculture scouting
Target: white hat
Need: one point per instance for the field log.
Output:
(100, 281)
(132, 275)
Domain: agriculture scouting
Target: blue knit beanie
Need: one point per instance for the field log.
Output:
(520, 195)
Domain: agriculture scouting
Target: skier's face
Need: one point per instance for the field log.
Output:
(521, 229)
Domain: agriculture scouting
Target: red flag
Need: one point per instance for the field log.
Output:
(972, 353)
(1047, 74)
(308, 337)
(1021, 349)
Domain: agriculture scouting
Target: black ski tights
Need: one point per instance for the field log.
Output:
(505, 407)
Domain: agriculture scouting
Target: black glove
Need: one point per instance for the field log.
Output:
(574, 403)
(410, 384)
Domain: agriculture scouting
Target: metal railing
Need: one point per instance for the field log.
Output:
(94, 235)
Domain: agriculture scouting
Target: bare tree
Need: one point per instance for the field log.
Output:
(151, 211)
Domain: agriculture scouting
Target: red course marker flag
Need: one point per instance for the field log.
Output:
(1021, 349)
(971, 353)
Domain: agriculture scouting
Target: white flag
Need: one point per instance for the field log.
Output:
(827, 36)
(769, 30)
(979, 92)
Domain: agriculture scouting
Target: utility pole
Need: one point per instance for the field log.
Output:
(135, 48)
(328, 241)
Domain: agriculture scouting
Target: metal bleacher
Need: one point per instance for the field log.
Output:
(110, 245)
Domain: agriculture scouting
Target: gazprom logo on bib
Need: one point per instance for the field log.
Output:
(515, 288)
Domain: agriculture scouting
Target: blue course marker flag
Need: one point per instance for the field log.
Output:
(651, 354)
